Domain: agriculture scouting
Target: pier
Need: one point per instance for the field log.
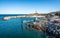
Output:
(26, 16)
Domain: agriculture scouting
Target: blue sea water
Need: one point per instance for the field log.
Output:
(14, 28)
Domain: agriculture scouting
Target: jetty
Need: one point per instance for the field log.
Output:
(35, 15)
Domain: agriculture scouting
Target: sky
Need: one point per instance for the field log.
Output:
(28, 6)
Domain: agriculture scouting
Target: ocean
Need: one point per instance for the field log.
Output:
(14, 28)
